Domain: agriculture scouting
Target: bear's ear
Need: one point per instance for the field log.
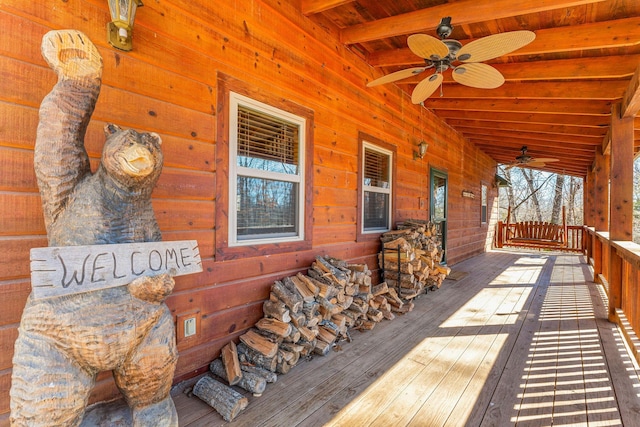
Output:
(110, 129)
(153, 137)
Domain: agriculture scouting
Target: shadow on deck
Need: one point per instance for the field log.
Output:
(523, 339)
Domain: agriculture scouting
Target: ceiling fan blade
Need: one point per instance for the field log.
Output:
(425, 88)
(482, 76)
(494, 46)
(398, 75)
(534, 164)
(544, 160)
(425, 46)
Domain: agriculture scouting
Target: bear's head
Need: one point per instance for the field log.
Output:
(132, 160)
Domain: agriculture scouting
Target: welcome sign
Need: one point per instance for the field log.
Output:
(66, 270)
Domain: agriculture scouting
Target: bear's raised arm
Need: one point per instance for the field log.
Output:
(60, 157)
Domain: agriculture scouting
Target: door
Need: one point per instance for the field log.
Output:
(438, 206)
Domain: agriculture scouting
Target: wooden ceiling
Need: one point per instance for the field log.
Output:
(559, 90)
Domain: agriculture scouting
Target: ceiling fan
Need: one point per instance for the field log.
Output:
(441, 55)
(525, 160)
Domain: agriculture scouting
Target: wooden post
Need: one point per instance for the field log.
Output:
(621, 201)
(600, 208)
(601, 199)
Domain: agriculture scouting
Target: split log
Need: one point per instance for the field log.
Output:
(322, 348)
(225, 400)
(400, 242)
(274, 326)
(298, 319)
(274, 338)
(291, 300)
(359, 305)
(388, 314)
(393, 298)
(283, 367)
(307, 333)
(327, 291)
(313, 287)
(259, 343)
(310, 309)
(247, 354)
(326, 335)
(231, 364)
(358, 267)
(292, 347)
(285, 355)
(365, 325)
(380, 289)
(251, 382)
(313, 322)
(408, 279)
(305, 292)
(277, 310)
(351, 289)
(339, 274)
(294, 336)
(405, 267)
(269, 376)
(327, 309)
(393, 256)
(407, 307)
(339, 320)
(374, 315)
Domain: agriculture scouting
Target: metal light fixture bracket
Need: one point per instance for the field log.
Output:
(422, 150)
(120, 29)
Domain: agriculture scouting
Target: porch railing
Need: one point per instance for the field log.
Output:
(616, 265)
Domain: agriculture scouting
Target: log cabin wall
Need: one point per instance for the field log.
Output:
(168, 84)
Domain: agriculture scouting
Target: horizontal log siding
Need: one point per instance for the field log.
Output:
(167, 84)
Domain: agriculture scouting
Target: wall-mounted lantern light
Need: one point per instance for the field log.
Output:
(120, 30)
(422, 150)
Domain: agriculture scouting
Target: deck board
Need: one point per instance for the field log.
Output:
(522, 340)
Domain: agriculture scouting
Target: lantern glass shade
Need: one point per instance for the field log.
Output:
(123, 13)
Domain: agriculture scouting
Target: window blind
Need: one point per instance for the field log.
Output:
(376, 168)
(266, 137)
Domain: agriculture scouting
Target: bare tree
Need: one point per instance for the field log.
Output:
(557, 199)
(529, 177)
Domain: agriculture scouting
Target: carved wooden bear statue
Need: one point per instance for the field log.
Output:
(65, 341)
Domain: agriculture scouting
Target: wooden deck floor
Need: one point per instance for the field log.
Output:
(521, 340)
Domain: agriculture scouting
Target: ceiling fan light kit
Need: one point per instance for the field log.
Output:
(525, 160)
(441, 55)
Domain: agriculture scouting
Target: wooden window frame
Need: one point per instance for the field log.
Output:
(225, 251)
(484, 203)
(371, 141)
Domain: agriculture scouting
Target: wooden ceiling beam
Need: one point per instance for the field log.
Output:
(557, 106)
(309, 7)
(607, 90)
(536, 146)
(542, 137)
(631, 99)
(558, 39)
(464, 12)
(601, 121)
(542, 128)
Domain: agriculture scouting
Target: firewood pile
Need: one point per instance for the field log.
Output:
(305, 315)
(410, 258)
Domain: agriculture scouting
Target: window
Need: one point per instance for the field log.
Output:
(483, 207)
(375, 196)
(266, 173)
(263, 142)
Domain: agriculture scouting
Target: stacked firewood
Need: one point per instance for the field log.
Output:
(411, 257)
(305, 315)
